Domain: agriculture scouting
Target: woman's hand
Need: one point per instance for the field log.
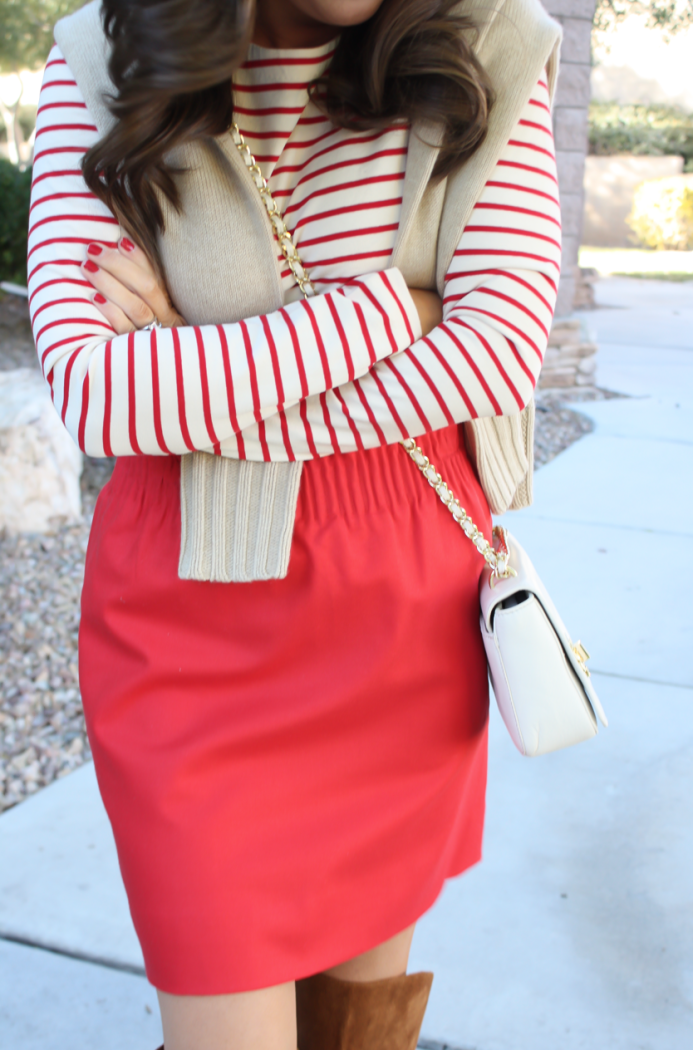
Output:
(129, 293)
(430, 308)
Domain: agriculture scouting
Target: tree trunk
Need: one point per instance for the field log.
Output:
(15, 138)
(8, 114)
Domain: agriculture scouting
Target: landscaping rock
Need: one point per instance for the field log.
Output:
(40, 465)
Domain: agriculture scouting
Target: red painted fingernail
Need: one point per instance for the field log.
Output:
(127, 245)
(94, 249)
(99, 298)
(91, 266)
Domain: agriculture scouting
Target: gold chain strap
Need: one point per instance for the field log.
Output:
(281, 231)
(496, 558)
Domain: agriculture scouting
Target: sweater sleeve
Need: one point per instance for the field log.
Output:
(172, 391)
(500, 294)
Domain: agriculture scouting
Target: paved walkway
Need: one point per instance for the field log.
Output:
(576, 931)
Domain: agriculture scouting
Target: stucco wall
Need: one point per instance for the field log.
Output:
(610, 185)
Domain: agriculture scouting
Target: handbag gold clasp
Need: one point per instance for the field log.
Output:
(582, 657)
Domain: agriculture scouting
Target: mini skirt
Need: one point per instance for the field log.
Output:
(292, 768)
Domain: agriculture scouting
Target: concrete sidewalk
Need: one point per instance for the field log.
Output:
(577, 930)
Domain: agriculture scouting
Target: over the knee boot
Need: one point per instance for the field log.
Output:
(361, 1015)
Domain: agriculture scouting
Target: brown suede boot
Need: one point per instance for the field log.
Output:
(361, 1015)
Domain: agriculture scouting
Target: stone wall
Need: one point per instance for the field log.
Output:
(570, 130)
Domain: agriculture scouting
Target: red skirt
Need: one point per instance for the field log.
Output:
(292, 768)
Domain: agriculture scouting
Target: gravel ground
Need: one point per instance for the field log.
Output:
(557, 427)
(42, 734)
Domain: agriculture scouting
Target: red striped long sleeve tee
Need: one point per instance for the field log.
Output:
(343, 371)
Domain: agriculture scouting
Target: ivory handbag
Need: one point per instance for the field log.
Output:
(539, 677)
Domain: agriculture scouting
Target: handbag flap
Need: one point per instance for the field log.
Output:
(527, 579)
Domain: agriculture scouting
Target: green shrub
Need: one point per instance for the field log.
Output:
(15, 190)
(654, 131)
(662, 215)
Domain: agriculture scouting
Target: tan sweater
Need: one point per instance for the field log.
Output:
(237, 516)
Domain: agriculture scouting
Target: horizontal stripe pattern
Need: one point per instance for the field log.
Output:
(270, 89)
(308, 182)
(342, 372)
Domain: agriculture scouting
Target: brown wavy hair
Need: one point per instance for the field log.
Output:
(172, 63)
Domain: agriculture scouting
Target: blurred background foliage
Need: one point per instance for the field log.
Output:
(669, 16)
(26, 31)
(662, 214)
(26, 117)
(654, 131)
(26, 37)
(15, 189)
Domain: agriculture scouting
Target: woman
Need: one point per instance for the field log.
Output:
(295, 764)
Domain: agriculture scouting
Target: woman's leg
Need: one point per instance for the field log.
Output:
(261, 1020)
(366, 1003)
(388, 959)
(265, 1019)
